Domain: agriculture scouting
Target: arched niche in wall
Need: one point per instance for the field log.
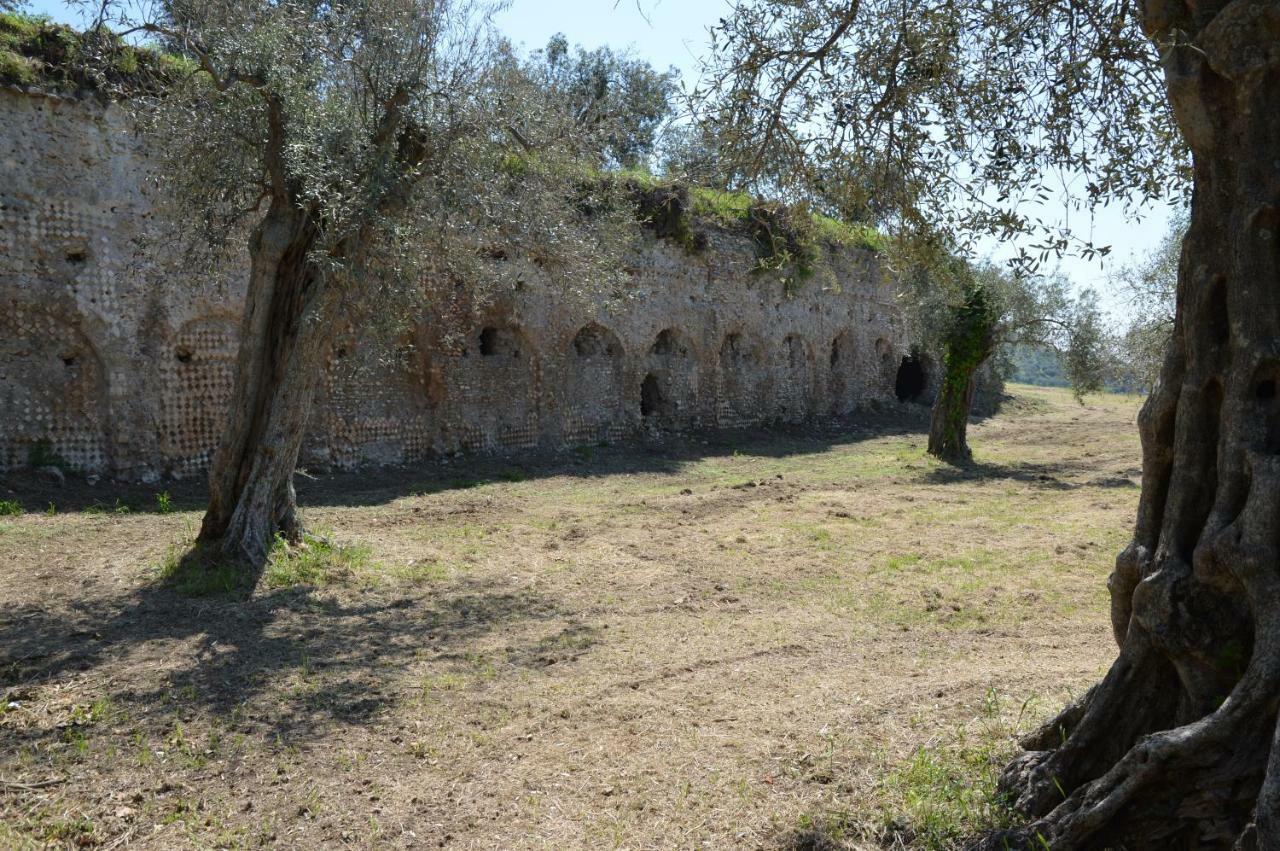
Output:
(669, 386)
(741, 396)
(593, 398)
(491, 390)
(845, 380)
(198, 367)
(53, 392)
(793, 380)
(376, 403)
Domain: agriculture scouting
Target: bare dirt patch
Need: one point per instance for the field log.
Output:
(800, 640)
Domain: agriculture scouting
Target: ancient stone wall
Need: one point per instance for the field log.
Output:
(117, 357)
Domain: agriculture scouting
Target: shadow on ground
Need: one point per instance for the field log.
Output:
(366, 487)
(220, 654)
(225, 653)
(36, 493)
(1044, 475)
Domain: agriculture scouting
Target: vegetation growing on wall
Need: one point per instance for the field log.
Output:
(787, 237)
(34, 51)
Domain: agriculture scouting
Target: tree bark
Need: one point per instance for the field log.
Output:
(949, 422)
(282, 336)
(1174, 747)
(968, 343)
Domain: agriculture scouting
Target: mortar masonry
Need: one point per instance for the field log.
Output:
(117, 357)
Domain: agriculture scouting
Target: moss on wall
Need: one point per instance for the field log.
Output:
(787, 237)
(35, 52)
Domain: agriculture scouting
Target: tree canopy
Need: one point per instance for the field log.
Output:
(620, 101)
(392, 121)
(370, 153)
(1021, 310)
(945, 117)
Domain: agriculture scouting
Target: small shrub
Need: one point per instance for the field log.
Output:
(784, 236)
(17, 70)
(10, 508)
(126, 62)
(164, 504)
(663, 208)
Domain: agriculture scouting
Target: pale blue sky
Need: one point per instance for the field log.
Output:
(674, 33)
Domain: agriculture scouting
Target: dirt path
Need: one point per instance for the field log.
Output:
(709, 645)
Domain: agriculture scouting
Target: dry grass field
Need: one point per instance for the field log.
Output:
(789, 640)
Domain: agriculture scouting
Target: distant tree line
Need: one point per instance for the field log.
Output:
(1133, 347)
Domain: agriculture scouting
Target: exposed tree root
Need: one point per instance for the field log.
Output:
(1194, 785)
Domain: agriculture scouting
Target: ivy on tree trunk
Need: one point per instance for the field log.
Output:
(969, 342)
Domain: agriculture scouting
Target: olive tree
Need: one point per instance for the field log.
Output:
(968, 312)
(365, 151)
(621, 101)
(970, 106)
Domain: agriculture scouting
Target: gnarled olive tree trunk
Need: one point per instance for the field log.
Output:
(282, 348)
(1175, 747)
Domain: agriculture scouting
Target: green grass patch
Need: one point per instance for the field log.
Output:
(727, 209)
(117, 507)
(419, 573)
(87, 714)
(941, 797)
(12, 838)
(945, 794)
(848, 234)
(316, 561)
(788, 238)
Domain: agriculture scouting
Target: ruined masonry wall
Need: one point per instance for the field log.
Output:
(118, 359)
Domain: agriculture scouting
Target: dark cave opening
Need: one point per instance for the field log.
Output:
(912, 380)
(652, 400)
